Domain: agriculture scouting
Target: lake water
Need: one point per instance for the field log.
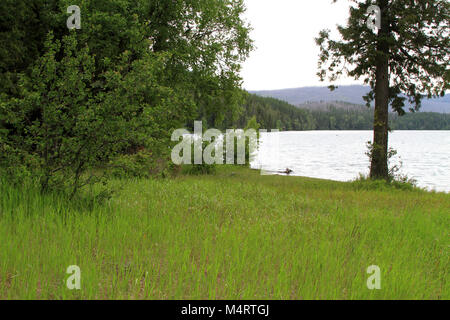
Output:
(340, 155)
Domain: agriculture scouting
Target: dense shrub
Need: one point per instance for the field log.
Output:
(365, 183)
(61, 128)
(142, 164)
(71, 102)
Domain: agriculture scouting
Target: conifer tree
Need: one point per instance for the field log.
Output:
(404, 60)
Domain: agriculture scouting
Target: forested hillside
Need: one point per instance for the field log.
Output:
(351, 94)
(276, 114)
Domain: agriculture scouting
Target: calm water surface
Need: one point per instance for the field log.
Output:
(340, 155)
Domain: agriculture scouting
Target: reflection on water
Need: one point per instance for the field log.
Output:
(341, 155)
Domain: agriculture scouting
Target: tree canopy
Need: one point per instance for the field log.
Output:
(136, 70)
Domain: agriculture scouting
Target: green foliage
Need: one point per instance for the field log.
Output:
(75, 101)
(395, 178)
(334, 118)
(208, 40)
(199, 169)
(205, 42)
(271, 113)
(365, 183)
(421, 121)
(65, 126)
(253, 124)
(362, 118)
(142, 164)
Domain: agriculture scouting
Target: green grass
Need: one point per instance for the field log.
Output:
(235, 235)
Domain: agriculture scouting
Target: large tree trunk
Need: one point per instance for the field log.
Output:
(379, 166)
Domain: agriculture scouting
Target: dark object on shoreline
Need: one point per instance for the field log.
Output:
(287, 171)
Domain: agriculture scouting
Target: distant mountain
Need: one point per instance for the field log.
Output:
(351, 94)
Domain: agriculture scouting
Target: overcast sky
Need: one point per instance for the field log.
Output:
(284, 31)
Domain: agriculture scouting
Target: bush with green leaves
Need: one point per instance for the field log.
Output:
(61, 127)
(395, 177)
(73, 101)
(142, 164)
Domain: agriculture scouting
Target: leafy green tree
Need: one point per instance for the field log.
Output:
(405, 59)
(135, 71)
(62, 129)
(209, 41)
(206, 40)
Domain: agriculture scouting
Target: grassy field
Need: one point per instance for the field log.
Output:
(235, 235)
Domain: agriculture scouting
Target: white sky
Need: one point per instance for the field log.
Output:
(284, 30)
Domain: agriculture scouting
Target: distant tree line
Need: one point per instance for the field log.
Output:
(271, 113)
